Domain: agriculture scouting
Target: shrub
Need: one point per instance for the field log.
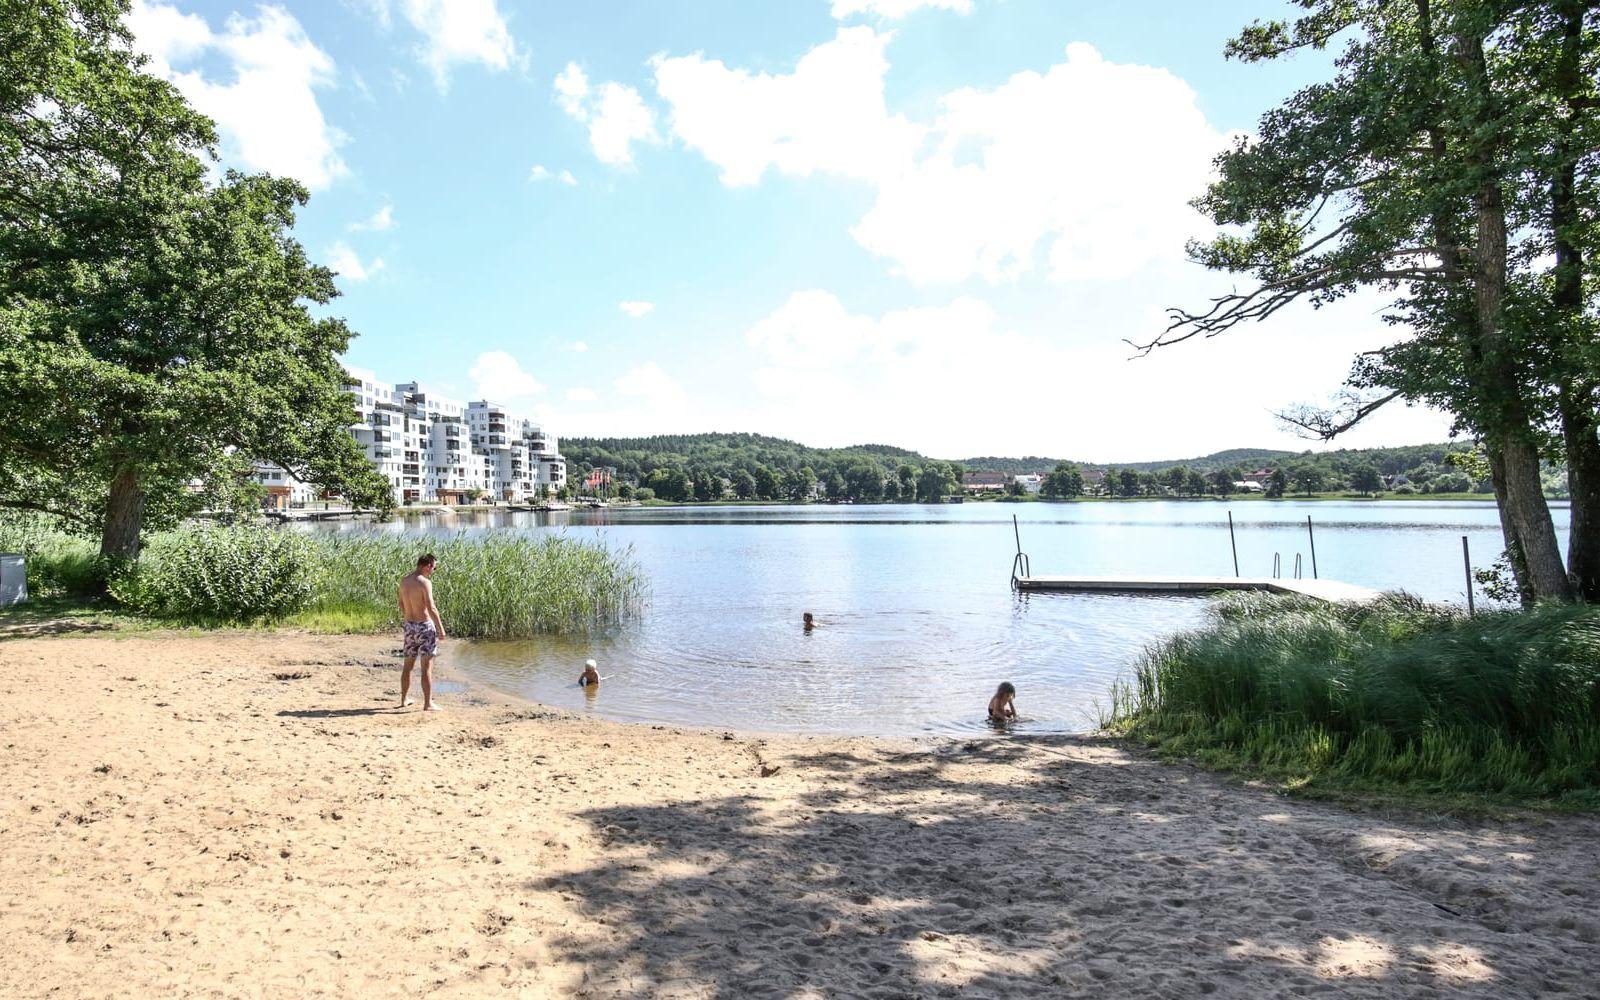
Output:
(221, 574)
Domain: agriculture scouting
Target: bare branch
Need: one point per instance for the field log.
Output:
(1325, 424)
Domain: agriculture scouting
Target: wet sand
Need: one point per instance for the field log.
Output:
(246, 814)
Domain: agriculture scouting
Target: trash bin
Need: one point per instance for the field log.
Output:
(13, 579)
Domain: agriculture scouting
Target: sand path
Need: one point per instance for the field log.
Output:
(243, 815)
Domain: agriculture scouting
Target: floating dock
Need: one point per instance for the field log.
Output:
(1331, 591)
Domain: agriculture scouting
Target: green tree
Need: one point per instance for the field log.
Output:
(1418, 201)
(834, 485)
(744, 484)
(1366, 479)
(707, 485)
(937, 481)
(798, 483)
(907, 474)
(671, 484)
(1307, 478)
(154, 331)
(1277, 483)
(1174, 479)
(1220, 482)
(1195, 483)
(1066, 480)
(1128, 483)
(766, 483)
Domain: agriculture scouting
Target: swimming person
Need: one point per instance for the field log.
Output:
(422, 627)
(590, 676)
(1002, 707)
(807, 621)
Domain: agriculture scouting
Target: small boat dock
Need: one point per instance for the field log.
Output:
(1332, 591)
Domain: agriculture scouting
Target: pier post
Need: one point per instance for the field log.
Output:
(1466, 562)
(1231, 543)
(1313, 536)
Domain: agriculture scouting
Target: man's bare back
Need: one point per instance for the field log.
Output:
(421, 629)
(416, 600)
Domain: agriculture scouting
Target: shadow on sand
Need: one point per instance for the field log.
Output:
(1053, 868)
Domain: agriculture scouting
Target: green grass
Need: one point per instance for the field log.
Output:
(1397, 698)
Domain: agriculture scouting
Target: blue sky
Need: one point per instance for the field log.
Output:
(920, 222)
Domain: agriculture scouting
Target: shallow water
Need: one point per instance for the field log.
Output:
(917, 619)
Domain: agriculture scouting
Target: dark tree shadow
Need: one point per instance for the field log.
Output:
(994, 869)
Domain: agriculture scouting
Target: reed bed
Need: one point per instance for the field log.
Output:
(1396, 694)
(501, 585)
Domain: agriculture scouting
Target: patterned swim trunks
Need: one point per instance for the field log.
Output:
(422, 639)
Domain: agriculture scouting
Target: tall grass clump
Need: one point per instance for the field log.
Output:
(59, 564)
(500, 585)
(220, 575)
(1391, 693)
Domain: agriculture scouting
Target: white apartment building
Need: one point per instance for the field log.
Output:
(433, 449)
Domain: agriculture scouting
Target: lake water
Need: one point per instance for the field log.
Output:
(918, 622)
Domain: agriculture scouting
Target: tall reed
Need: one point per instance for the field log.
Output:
(1395, 691)
(500, 585)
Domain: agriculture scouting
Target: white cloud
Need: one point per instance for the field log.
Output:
(615, 113)
(266, 110)
(652, 387)
(826, 375)
(828, 115)
(638, 310)
(349, 266)
(579, 347)
(454, 33)
(1085, 169)
(580, 394)
(381, 221)
(540, 172)
(895, 9)
(498, 377)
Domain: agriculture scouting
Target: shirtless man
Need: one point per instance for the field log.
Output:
(423, 630)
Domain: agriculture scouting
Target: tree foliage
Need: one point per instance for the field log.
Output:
(155, 329)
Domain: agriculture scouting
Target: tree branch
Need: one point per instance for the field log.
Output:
(1327, 424)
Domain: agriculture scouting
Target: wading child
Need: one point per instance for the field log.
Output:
(807, 621)
(590, 676)
(1002, 707)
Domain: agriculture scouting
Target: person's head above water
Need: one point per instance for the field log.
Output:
(1006, 688)
(425, 564)
(806, 618)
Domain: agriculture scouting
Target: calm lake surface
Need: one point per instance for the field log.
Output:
(918, 622)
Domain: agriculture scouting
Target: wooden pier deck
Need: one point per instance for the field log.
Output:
(1323, 590)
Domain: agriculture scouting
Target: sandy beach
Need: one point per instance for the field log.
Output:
(247, 815)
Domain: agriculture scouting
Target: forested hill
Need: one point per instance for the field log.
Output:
(704, 466)
(635, 456)
(1388, 461)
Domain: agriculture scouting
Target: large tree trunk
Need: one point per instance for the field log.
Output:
(1580, 429)
(1581, 436)
(1524, 515)
(119, 538)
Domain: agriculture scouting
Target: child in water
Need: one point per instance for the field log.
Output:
(807, 621)
(590, 676)
(1002, 707)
